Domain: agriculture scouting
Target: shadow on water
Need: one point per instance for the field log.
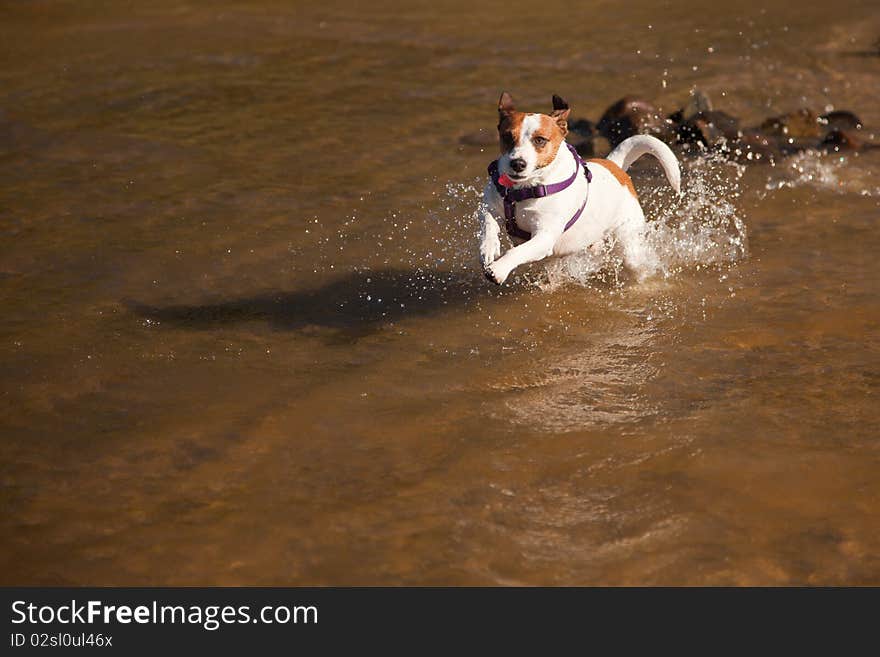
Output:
(347, 308)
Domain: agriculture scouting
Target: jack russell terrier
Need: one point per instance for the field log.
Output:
(552, 203)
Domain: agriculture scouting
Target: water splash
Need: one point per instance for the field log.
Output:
(832, 172)
(701, 228)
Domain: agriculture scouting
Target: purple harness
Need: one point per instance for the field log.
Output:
(512, 196)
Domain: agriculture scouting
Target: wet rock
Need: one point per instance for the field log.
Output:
(601, 146)
(792, 146)
(676, 118)
(699, 102)
(840, 120)
(802, 124)
(712, 129)
(582, 128)
(585, 147)
(581, 134)
(698, 124)
(838, 140)
(631, 116)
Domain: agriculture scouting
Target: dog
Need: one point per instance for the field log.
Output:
(552, 203)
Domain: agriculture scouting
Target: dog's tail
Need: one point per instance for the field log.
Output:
(629, 150)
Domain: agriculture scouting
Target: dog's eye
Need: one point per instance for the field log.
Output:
(507, 139)
(540, 141)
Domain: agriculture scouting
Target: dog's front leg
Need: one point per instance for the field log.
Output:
(538, 247)
(490, 239)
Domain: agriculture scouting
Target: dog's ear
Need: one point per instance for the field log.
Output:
(505, 104)
(559, 103)
(560, 113)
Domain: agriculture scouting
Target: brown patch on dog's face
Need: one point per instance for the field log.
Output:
(547, 139)
(621, 175)
(509, 129)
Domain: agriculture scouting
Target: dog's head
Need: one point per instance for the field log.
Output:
(529, 142)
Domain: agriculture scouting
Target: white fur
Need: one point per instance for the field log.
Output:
(633, 148)
(611, 210)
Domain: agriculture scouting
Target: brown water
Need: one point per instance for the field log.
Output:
(245, 341)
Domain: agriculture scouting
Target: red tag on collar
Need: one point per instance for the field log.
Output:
(505, 180)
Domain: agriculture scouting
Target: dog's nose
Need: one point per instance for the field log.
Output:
(518, 164)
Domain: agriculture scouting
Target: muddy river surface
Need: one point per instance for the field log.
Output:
(245, 340)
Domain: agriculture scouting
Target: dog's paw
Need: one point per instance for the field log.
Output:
(489, 253)
(495, 273)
